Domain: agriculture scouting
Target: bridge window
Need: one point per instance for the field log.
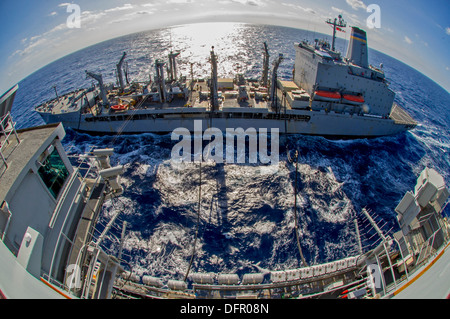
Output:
(53, 173)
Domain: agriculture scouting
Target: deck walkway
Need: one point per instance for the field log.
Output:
(400, 116)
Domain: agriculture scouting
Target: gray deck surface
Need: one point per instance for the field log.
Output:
(433, 284)
(19, 155)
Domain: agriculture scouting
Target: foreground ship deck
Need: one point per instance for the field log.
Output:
(47, 208)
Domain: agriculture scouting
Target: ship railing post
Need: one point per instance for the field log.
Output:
(358, 236)
(77, 262)
(7, 127)
(383, 282)
(103, 277)
(4, 159)
(88, 280)
(403, 258)
(390, 263)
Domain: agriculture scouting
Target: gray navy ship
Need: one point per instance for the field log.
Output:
(330, 95)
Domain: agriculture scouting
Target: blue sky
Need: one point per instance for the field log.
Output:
(35, 33)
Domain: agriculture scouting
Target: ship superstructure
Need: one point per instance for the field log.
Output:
(329, 95)
(343, 84)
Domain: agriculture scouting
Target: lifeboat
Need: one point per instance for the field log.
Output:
(119, 107)
(353, 99)
(327, 96)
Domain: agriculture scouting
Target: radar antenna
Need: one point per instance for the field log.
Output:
(337, 23)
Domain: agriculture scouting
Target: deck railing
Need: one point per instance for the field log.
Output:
(7, 128)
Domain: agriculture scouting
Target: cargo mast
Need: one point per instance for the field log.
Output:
(273, 85)
(214, 84)
(120, 72)
(265, 75)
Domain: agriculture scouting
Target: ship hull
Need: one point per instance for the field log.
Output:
(331, 125)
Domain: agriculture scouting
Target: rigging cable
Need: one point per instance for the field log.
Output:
(295, 212)
(198, 221)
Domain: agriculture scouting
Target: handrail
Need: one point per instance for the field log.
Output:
(5, 229)
(426, 245)
(61, 201)
(5, 130)
(55, 289)
(75, 173)
(54, 282)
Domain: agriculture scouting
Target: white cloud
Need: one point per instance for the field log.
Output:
(255, 3)
(52, 14)
(36, 37)
(356, 4)
(38, 41)
(89, 22)
(142, 12)
(447, 30)
(298, 7)
(88, 17)
(178, 1)
(126, 6)
(408, 40)
(30, 47)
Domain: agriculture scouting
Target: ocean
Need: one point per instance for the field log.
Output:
(247, 220)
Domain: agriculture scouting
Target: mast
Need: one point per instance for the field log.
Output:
(273, 85)
(56, 92)
(265, 75)
(214, 84)
(173, 65)
(120, 72)
(336, 24)
(160, 81)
